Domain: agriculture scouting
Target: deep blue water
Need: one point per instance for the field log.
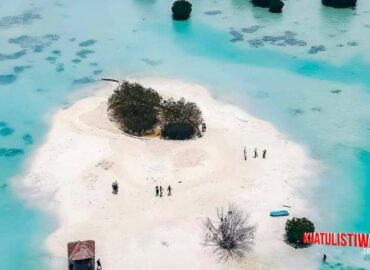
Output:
(49, 50)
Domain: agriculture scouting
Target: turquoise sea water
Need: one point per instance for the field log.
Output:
(306, 70)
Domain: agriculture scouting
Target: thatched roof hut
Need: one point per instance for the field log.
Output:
(81, 255)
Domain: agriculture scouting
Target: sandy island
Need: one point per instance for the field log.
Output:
(72, 172)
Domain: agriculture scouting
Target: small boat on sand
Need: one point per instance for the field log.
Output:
(280, 213)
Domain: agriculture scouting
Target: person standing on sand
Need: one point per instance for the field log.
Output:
(264, 154)
(99, 264)
(169, 190)
(156, 191)
(160, 191)
(115, 187)
(324, 258)
(255, 153)
(245, 153)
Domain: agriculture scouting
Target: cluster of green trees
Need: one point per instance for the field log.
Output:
(181, 10)
(294, 230)
(140, 110)
(135, 107)
(274, 6)
(180, 119)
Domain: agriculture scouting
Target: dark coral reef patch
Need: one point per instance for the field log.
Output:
(11, 152)
(25, 18)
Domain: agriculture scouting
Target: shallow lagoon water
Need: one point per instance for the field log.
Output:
(71, 44)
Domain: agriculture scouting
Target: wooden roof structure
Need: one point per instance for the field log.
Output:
(81, 250)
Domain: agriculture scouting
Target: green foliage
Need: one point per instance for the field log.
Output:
(181, 111)
(140, 110)
(181, 9)
(180, 119)
(135, 107)
(261, 3)
(276, 6)
(178, 131)
(294, 229)
(339, 3)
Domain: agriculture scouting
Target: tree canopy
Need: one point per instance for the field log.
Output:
(339, 3)
(261, 3)
(140, 110)
(181, 10)
(135, 107)
(180, 112)
(294, 229)
(275, 6)
(180, 119)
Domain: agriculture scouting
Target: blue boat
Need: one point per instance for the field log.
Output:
(280, 213)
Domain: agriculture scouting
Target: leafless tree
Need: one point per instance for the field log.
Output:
(231, 235)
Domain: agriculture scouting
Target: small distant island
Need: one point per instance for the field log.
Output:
(141, 111)
(339, 3)
(212, 187)
(181, 10)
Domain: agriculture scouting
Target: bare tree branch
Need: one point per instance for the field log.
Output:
(230, 236)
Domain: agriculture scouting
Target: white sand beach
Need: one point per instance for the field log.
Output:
(72, 172)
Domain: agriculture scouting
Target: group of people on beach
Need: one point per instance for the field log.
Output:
(255, 155)
(159, 191)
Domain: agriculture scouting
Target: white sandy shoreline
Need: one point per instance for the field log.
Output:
(72, 172)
